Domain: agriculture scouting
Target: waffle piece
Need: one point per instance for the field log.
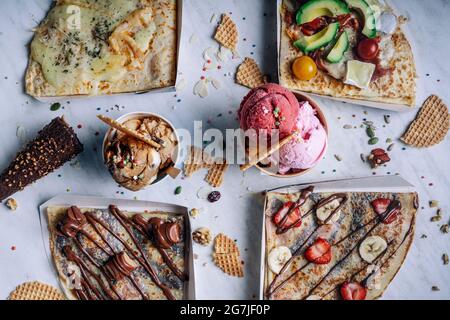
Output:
(227, 33)
(227, 256)
(254, 156)
(55, 144)
(216, 174)
(120, 127)
(195, 161)
(35, 291)
(430, 126)
(249, 74)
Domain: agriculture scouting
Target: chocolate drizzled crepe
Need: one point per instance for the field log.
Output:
(55, 144)
(351, 219)
(109, 254)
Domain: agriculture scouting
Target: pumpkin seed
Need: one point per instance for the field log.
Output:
(55, 106)
(391, 146)
(338, 157)
(445, 228)
(178, 190)
(370, 132)
(373, 141)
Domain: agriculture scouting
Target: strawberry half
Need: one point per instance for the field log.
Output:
(319, 252)
(292, 220)
(381, 206)
(353, 291)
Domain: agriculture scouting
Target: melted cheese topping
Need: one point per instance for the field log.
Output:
(89, 42)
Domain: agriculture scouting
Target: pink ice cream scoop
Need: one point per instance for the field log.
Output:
(269, 107)
(305, 151)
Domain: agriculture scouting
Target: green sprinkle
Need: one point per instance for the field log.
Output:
(55, 106)
(178, 190)
(370, 132)
(373, 141)
(277, 124)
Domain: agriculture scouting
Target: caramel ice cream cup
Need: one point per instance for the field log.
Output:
(109, 136)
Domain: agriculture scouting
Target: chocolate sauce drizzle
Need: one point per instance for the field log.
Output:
(304, 195)
(392, 208)
(379, 258)
(272, 289)
(118, 266)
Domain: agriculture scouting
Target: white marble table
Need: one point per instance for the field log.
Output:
(238, 213)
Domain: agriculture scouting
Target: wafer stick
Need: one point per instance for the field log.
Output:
(273, 148)
(120, 127)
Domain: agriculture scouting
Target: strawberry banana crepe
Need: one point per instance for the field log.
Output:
(346, 245)
(110, 254)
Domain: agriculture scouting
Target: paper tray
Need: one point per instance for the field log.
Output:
(155, 90)
(372, 104)
(129, 205)
(395, 184)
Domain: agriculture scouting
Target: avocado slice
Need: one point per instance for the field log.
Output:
(318, 8)
(368, 14)
(339, 48)
(310, 43)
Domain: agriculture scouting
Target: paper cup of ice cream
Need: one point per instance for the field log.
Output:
(133, 163)
(272, 107)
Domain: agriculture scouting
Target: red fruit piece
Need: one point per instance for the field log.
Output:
(292, 220)
(319, 252)
(381, 206)
(353, 291)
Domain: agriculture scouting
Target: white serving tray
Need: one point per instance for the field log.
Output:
(371, 104)
(128, 205)
(395, 184)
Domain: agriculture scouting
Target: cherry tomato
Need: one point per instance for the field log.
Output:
(368, 49)
(304, 68)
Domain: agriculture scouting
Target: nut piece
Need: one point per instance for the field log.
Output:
(194, 213)
(11, 204)
(202, 236)
(434, 203)
(378, 157)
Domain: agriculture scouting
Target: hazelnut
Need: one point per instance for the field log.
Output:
(11, 204)
(202, 236)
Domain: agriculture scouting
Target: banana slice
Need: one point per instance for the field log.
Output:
(371, 248)
(278, 257)
(324, 212)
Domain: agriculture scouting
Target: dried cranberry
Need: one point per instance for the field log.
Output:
(214, 196)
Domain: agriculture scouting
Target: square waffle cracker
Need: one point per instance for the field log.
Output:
(227, 33)
(196, 160)
(35, 291)
(216, 174)
(430, 126)
(249, 74)
(227, 256)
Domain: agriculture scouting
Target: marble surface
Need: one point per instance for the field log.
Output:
(238, 213)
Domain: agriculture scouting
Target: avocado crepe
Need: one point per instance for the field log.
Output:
(347, 49)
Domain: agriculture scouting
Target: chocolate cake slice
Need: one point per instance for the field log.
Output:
(55, 144)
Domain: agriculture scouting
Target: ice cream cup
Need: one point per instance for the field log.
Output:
(321, 116)
(139, 115)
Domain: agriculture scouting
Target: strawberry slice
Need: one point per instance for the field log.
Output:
(292, 220)
(381, 206)
(319, 252)
(353, 291)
